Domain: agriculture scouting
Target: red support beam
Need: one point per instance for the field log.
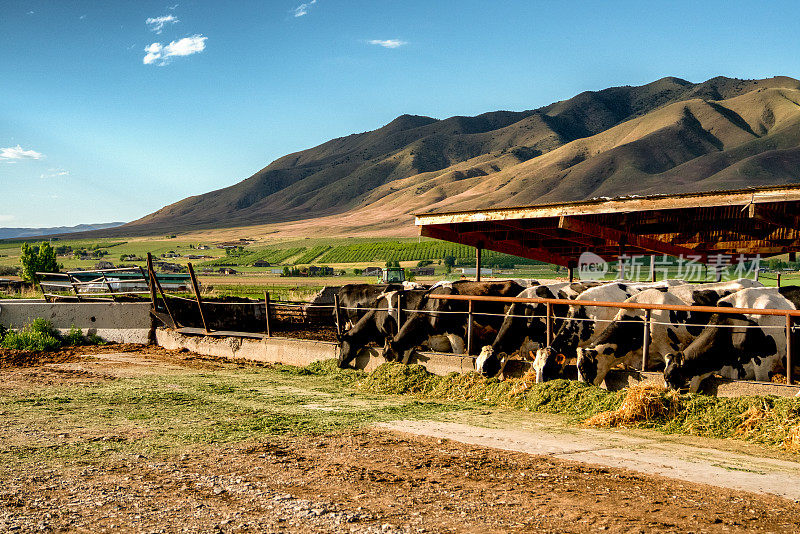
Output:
(613, 235)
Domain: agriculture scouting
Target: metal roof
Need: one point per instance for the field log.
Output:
(761, 221)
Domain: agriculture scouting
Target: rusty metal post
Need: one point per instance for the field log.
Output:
(150, 284)
(266, 313)
(337, 314)
(789, 349)
(197, 296)
(646, 339)
(549, 324)
(469, 328)
(157, 285)
(478, 263)
(399, 310)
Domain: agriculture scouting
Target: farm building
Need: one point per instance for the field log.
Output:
(744, 223)
(423, 271)
(372, 271)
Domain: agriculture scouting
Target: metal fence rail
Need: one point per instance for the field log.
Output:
(789, 315)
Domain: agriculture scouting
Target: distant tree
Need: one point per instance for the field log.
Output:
(357, 271)
(409, 275)
(449, 263)
(286, 271)
(425, 263)
(37, 259)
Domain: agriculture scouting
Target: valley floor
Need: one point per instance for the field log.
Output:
(127, 439)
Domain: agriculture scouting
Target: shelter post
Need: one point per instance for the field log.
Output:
(646, 339)
(789, 349)
(652, 268)
(571, 270)
(469, 328)
(478, 250)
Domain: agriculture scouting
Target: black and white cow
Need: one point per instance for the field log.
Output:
(439, 317)
(524, 327)
(670, 331)
(378, 324)
(737, 346)
(356, 300)
(585, 323)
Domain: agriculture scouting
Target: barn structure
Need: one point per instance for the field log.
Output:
(743, 223)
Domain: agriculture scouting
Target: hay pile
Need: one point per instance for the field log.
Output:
(644, 403)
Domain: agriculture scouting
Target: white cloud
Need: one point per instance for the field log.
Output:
(17, 152)
(82, 17)
(54, 173)
(388, 43)
(173, 8)
(302, 9)
(160, 54)
(157, 24)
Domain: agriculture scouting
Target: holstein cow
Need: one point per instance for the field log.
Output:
(670, 331)
(356, 300)
(377, 325)
(437, 317)
(524, 327)
(584, 323)
(736, 346)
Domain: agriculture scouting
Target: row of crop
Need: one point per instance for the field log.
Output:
(312, 254)
(428, 250)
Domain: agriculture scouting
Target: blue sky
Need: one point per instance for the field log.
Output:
(111, 110)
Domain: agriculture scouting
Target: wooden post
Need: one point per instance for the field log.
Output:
(779, 279)
(789, 349)
(571, 271)
(549, 324)
(478, 263)
(266, 313)
(150, 284)
(652, 268)
(197, 295)
(620, 262)
(337, 314)
(108, 285)
(74, 287)
(646, 339)
(157, 285)
(469, 328)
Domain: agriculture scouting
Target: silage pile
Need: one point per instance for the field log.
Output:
(772, 421)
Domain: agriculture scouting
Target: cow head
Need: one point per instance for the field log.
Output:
(390, 351)
(674, 378)
(347, 353)
(587, 365)
(594, 363)
(487, 363)
(548, 364)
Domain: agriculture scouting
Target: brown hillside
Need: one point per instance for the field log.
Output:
(666, 136)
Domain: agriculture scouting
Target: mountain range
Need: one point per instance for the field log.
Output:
(13, 233)
(667, 136)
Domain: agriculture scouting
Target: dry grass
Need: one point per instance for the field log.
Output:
(643, 403)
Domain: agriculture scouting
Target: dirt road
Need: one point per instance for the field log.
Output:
(102, 465)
